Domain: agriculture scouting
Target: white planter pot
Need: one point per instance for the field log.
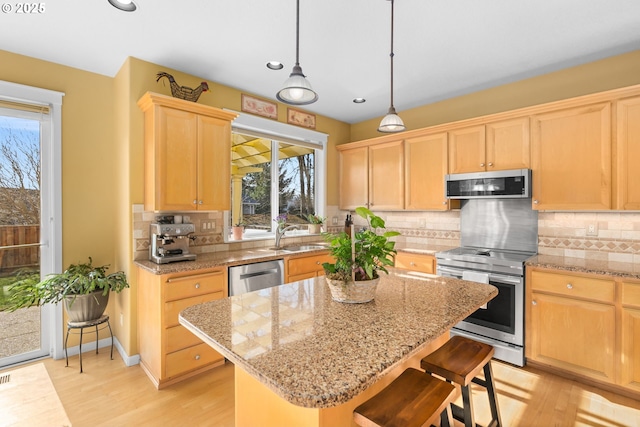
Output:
(353, 292)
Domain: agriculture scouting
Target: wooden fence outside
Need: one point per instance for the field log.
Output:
(16, 258)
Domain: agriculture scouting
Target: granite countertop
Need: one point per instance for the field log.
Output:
(428, 250)
(317, 353)
(580, 265)
(227, 258)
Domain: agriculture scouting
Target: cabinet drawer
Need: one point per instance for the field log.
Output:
(297, 266)
(416, 262)
(631, 293)
(173, 308)
(573, 286)
(178, 337)
(190, 358)
(178, 287)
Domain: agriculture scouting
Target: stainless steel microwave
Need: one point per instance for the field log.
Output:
(508, 184)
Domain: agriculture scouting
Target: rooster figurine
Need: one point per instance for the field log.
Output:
(183, 92)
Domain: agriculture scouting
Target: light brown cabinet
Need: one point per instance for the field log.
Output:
(571, 158)
(306, 267)
(187, 155)
(627, 154)
(572, 323)
(168, 352)
(630, 335)
(416, 262)
(372, 176)
(500, 145)
(425, 168)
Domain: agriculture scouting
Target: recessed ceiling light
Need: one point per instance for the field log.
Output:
(126, 5)
(359, 100)
(275, 65)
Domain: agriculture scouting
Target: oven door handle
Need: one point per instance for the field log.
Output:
(457, 273)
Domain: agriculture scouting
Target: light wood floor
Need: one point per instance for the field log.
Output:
(110, 394)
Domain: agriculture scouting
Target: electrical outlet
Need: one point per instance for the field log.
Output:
(213, 225)
(334, 220)
(592, 229)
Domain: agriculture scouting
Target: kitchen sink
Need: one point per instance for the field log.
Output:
(302, 248)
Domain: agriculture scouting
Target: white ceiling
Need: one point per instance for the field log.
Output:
(443, 48)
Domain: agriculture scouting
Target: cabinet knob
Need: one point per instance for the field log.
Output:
(412, 263)
(197, 357)
(481, 165)
(200, 202)
(490, 163)
(534, 302)
(195, 202)
(197, 285)
(444, 203)
(318, 262)
(535, 202)
(569, 286)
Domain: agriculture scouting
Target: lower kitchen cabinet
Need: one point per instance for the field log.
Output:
(630, 336)
(306, 267)
(584, 325)
(168, 352)
(416, 262)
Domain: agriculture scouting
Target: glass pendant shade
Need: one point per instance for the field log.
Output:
(391, 122)
(297, 90)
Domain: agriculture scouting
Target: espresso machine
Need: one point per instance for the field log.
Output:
(170, 242)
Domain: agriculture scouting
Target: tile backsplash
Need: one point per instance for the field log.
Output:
(610, 236)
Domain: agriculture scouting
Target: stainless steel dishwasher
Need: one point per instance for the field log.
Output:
(253, 277)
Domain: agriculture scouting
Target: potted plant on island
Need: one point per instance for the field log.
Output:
(84, 289)
(354, 275)
(315, 223)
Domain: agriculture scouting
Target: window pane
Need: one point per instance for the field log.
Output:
(296, 165)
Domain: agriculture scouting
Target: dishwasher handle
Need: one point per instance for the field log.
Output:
(259, 273)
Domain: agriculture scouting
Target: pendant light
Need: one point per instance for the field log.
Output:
(126, 5)
(391, 122)
(297, 90)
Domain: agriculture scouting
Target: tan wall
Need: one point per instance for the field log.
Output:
(610, 73)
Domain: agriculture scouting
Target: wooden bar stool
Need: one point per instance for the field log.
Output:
(460, 361)
(414, 399)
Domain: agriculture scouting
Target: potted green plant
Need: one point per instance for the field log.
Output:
(315, 223)
(84, 289)
(237, 230)
(354, 275)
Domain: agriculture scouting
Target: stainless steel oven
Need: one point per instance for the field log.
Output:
(500, 322)
(497, 236)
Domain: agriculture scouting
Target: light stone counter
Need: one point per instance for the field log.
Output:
(318, 353)
(580, 265)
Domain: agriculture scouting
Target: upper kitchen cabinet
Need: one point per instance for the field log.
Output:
(501, 145)
(571, 158)
(627, 154)
(187, 155)
(425, 168)
(372, 176)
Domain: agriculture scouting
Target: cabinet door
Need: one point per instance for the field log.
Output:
(574, 335)
(571, 158)
(214, 164)
(386, 176)
(175, 159)
(354, 178)
(508, 145)
(426, 166)
(630, 332)
(628, 153)
(467, 150)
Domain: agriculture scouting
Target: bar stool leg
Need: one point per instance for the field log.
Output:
(81, 330)
(467, 406)
(446, 419)
(66, 354)
(496, 420)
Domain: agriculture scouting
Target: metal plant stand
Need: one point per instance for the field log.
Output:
(104, 319)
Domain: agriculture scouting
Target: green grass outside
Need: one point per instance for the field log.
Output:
(6, 282)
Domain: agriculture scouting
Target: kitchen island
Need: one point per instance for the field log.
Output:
(303, 359)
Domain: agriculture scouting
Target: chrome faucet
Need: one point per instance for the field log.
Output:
(280, 233)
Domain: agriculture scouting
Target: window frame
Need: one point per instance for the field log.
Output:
(281, 132)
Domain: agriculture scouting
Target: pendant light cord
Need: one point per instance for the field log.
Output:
(391, 55)
(297, 32)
